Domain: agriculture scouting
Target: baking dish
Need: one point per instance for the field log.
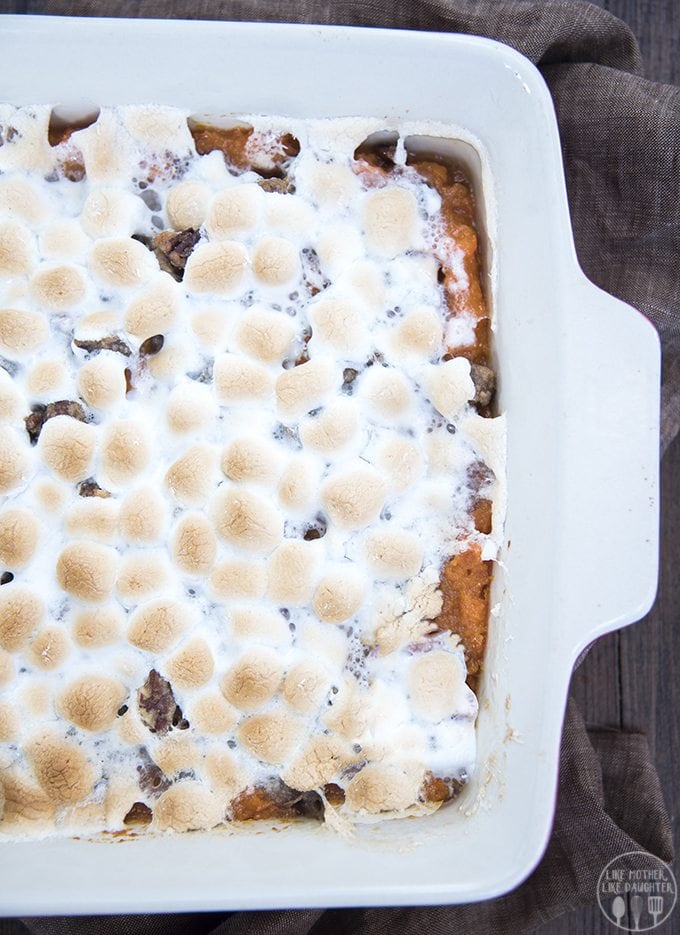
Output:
(578, 378)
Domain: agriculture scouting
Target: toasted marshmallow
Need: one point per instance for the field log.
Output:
(216, 267)
(101, 381)
(21, 613)
(378, 789)
(437, 687)
(288, 215)
(246, 520)
(318, 763)
(419, 333)
(87, 570)
(391, 220)
(386, 394)
(275, 261)
(271, 737)
(306, 386)
(93, 516)
(339, 594)
(155, 310)
(94, 627)
(66, 446)
(11, 400)
(22, 333)
(257, 625)
(126, 451)
(194, 545)
(190, 478)
(264, 335)
(17, 249)
(191, 407)
(333, 184)
(63, 240)
(47, 380)
(333, 429)
(291, 571)
(236, 578)
(211, 713)
(192, 665)
(306, 686)
(354, 497)
(142, 574)
(121, 262)
(187, 806)
(20, 200)
(252, 459)
(252, 680)
(394, 554)
(337, 324)
(58, 288)
(157, 625)
(238, 379)
(298, 484)
(234, 211)
(50, 648)
(92, 701)
(338, 246)
(187, 204)
(19, 534)
(61, 769)
(450, 386)
(400, 460)
(142, 516)
(108, 212)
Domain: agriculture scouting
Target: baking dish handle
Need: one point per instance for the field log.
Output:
(611, 410)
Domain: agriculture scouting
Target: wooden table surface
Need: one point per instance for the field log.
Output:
(630, 678)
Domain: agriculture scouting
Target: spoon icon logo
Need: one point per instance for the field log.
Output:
(637, 891)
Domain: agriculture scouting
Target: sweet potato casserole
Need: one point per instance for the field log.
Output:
(251, 482)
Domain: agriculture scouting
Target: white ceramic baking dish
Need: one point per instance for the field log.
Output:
(579, 380)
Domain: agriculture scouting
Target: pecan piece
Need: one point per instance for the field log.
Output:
(110, 343)
(157, 706)
(40, 415)
(173, 248)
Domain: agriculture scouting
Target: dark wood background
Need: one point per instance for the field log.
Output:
(630, 679)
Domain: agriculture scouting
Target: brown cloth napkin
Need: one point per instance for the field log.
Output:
(621, 144)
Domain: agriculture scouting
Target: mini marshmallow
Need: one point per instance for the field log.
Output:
(291, 572)
(306, 386)
(157, 625)
(333, 184)
(437, 687)
(337, 324)
(20, 200)
(21, 612)
(190, 478)
(47, 380)
(142, 516)
(378, 789)
(101, 381)
(64, 240)
(338, 246)
(187, 204)
(155, 310)
(234, 211)
(400, 459)
(95, 627)
(58, 288)
(257, 625)
(11, 400)
(19, 534)
(22, 333)
(247, 520)
(187, 806)
(306, 686)
(92, 701)
(252, 459)
(252, 680)
(175, 753)
(297, 486)
(192, 665)
(191, 407)
(264, 335)
(238, 578)
(271, 737)
(212, 714)
(275, 261)
(61, 769)
(386, 393)
(333, 429)
(66, 446)
(391, 220)
(194, 545)
(121, 262)
(218, 268)
(95, 517)
(288, 215)
(126, 451)
(238, 379)
(339, 594)
(50, 648)
(87, 570)
(394, 553)
(17, 249)
(108, 212)
(450, 386)
(419, 333)
(319, 763)
(354, 497)
(142, 574)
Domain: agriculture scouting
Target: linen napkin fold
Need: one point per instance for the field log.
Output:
(621, 145)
